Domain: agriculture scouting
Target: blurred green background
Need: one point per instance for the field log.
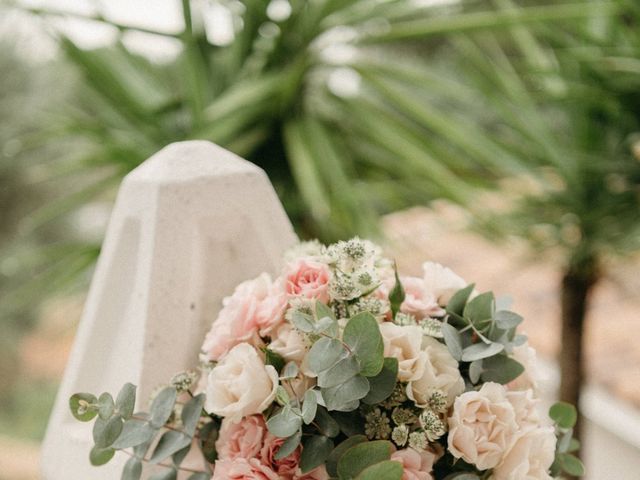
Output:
(524, 113)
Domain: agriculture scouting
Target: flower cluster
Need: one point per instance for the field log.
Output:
(341, 368)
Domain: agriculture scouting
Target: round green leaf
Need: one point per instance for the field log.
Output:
(106, 406)
(162, 406)
(315, 451)
(126, 400)
(132, 469)
(309, 406)
(387, 470)
(339, 373)
(572, 465)
(99, 456)
(382, 385)
(324, 354)
(170, 442)
(363, 455)
(284, 423)
(362, 334)
(106, 432)
(134, 432)
(191, 414)
(289, 445)
(346, 394)
(564, 414)
(336, 454)
(83, 406)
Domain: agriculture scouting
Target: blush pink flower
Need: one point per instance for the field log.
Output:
(419, 301)
(319, 473)
(255, 309)
(242, 469)
(241, 440)
(308, 278)
(285, 467)
(416, 465)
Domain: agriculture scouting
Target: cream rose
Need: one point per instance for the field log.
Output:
(441, 282)
(440, 372)
(289, 343)
(482, 426)
(530, 457)
(531, 377)
(404, 344)
(241, 384)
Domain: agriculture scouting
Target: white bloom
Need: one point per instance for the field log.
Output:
(482, 426)
(530, 457)
(441, 282)
(440, 372)
(241, 384)
(289, 343)
(404, 344)
(532, 376)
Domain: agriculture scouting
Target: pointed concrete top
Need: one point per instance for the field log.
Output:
(191, 160)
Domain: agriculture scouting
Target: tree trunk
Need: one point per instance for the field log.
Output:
(577, 283)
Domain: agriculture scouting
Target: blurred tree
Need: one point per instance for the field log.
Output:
(567, 102)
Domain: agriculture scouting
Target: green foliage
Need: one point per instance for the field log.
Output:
(382, 385)
(315, 450)
(362, 335)
(356, 459)
(565, 416)
(116, 428)
(397, 294)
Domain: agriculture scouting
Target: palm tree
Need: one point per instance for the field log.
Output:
(566, 101)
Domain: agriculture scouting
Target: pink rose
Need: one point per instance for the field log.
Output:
(308, 278)
(241, 440)
(319, 473)
(255, 309)
(284, 467)
(416, 465)
(243, 469)
(419, 301)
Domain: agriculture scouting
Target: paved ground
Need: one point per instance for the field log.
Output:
(415, 236)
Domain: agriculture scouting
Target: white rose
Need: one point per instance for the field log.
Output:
(525, 407)
(405, 344)
(531, 377)
(241, 384)
(530, 457)
(482, 426)
(440, 372)
(441, 282)
(289, 343)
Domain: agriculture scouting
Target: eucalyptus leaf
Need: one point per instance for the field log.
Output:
(309, 406)
(284, 423)
(207, 440)
(363, 455)
(479, 351)
(289, 446)
(303, 322)
(134, 432)
(106, 406)
(336, 454)
(506, 320)
(362, 334)
(327, 425)
(166, 474)
(323, 311)
(282, 396)
(452, 340)
(500, 369)
(381, 386)
(352, 390)
(350, 423)
(324, 353)
(191, 413)
(571, 464)
(170, 442)
(83, 406)
(564, 414)
(315, 450)
(459, 300)
(162, 406)
(126, 400)
(339, 373)
(132, 470)
(99, 456)
(387, 470)
(178, 457)
(480, 308)
(106, 432)
(475, 370)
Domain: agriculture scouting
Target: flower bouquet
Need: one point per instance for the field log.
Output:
(340, 368)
